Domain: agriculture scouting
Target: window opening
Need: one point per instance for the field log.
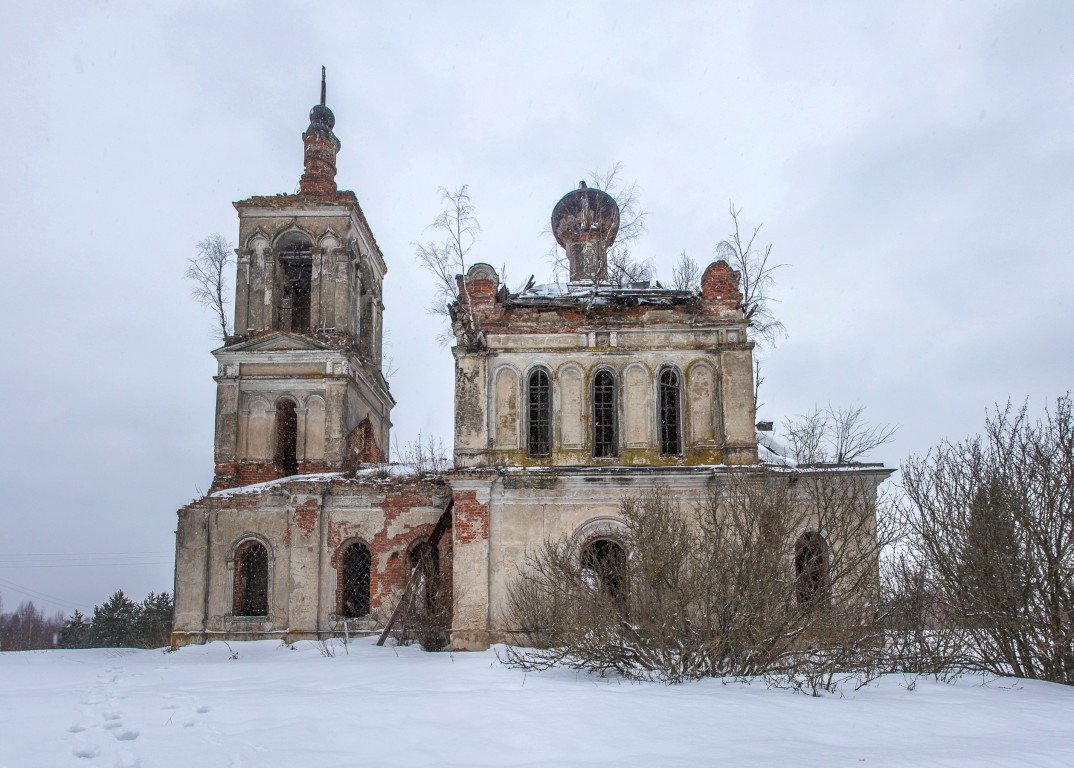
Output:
(605, 442)
(540, 414)
(811, 569)
(251, 580)
(286, 438)
(670, 413)
(354, 592)
(604, 566)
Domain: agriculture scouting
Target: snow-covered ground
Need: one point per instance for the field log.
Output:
(402, 707)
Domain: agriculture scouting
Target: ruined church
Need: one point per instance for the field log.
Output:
(567, 400)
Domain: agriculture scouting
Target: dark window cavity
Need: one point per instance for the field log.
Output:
(425, 570)
(604, 565)
(539, 412)
(605, 441)
(670, 413)
(286, 438)
(295, 285)
(354, 580)
(811, 569)
(251, 580)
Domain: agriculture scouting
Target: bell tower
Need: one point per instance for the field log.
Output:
(299, 386)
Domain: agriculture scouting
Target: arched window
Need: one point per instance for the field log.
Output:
(605, 439)
(670, 413)
(811, 569)
(425, 568)
(604, 566)
(539, 413)
(286, 437)
(355, 565)
(295, 255)
(251, 580)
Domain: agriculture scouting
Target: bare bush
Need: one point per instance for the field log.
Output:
(835, 435)
(423, 456)
(686, 274)
(992, 529)
(725, 589)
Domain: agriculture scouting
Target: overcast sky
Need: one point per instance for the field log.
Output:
(912, 164)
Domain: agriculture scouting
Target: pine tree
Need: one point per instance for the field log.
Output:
(114, 623)
(75, 631)
(154, 623)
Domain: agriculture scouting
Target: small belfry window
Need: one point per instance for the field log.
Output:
(605, 440)
(354, 580)
(811, 570)
(539, 413)
(251, 580)
(670, 413)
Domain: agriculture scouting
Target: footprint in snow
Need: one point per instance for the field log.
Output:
(112, 716)
(112, 725)
(203, 709)
(170, 706)
(76, 728)
(86, 752)
(126, 735)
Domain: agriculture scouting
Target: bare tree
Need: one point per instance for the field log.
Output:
(992, 531)
(207, 270)
(754, 264)
(448, 258)
(835, 435)
(730, 588)
(686, 275)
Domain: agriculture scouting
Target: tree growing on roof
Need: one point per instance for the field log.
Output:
(448, 257)
(207, 271)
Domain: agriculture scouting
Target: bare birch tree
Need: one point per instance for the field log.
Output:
(207, 270)
(686, 275)
(753, 262)
(447, 258)
(835, 435)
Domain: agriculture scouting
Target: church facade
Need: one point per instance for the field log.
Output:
(568, 399)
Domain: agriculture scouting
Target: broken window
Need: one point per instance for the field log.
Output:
(355, 580)
(425, 569)
(286, 438)
(604, 567)
(539, 398)
(605, 440)
(296, 282)
(251, 580)
(670, 413)
(811, 569)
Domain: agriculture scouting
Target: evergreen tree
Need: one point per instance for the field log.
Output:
(154, 622)
(114, 623)
(75, 631)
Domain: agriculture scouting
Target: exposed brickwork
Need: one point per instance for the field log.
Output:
(471, 517)
(235, 474)
(719, 287)
(362, 446)
(319, 177)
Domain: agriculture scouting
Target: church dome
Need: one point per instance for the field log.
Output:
(585, 215)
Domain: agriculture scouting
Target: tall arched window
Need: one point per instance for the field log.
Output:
(355, 565)
(605, 439)
(286, 437)
(539, 413)
(251, 580)
(295, 256)
(670, 413)
(604, 564)
(811, 569)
